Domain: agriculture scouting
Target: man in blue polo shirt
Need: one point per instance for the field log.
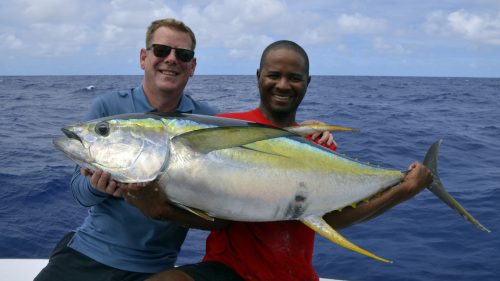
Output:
(116, 241)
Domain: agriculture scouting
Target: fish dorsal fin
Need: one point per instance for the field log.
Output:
(309, 129)
(319, 225)
(210, 139)
(198, 212)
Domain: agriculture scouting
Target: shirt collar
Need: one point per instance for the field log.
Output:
(186, 104)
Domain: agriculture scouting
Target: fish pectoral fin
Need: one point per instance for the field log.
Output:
(210, 139)
(320, 226)
(200, 213)
(431, 162)
(309, 129)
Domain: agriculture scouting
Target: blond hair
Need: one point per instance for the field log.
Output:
(172, 24)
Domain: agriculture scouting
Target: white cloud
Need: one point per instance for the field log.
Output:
(50, 10)
(245, 12)
(10, 42)
(57, 39)
(49, 28)
(248, 46)
(318, 36)
(244, 28)
(432, 25)
(343, 32)
(484, 28)
(222, 21)
(136, 14)
(383, 46)
(357, 23)
(481, 28)
(124, 22)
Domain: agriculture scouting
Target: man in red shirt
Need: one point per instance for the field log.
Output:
(282, 250)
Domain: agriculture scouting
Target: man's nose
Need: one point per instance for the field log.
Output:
(283, 83)
(171, 56)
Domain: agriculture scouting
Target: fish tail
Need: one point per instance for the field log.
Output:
(430, 161)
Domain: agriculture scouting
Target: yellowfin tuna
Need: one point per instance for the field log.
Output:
(236, 170)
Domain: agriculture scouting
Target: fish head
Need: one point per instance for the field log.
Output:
(130, 149)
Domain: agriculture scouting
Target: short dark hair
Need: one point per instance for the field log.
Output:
(286, 44)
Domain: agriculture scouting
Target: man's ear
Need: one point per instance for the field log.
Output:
(193, 67)
(142, 58)
(258, 73)
(308, 80)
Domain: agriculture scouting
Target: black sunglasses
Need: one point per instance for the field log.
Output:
(163, 51)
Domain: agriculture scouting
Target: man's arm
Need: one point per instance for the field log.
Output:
(152, 202)
(417, 178)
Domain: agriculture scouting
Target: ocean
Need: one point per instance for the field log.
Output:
(399, 118)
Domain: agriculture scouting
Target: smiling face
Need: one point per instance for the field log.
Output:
(283, 81)
(167, 76)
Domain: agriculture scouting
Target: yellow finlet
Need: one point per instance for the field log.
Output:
(319, 225)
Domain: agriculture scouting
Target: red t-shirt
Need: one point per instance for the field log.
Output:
(280, 250)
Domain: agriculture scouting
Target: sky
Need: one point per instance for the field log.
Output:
(434, 38)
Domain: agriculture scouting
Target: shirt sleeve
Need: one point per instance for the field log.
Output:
(81, 188)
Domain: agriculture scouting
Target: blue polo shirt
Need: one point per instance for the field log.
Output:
(115, 233)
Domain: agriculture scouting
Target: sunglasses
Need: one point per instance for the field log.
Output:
(163, 51)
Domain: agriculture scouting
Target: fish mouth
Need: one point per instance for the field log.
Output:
(73, 147)
(72, 135)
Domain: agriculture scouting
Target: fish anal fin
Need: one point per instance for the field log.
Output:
(320, 226)
(210, 139)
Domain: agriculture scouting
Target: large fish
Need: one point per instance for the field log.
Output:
(236, 170)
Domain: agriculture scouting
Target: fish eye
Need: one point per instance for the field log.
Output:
(102, 128)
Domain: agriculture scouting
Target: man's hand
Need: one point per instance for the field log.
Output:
(103, 182)
(417, 178)
(149, 198)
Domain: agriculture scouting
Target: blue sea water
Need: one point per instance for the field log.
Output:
(399, 118)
